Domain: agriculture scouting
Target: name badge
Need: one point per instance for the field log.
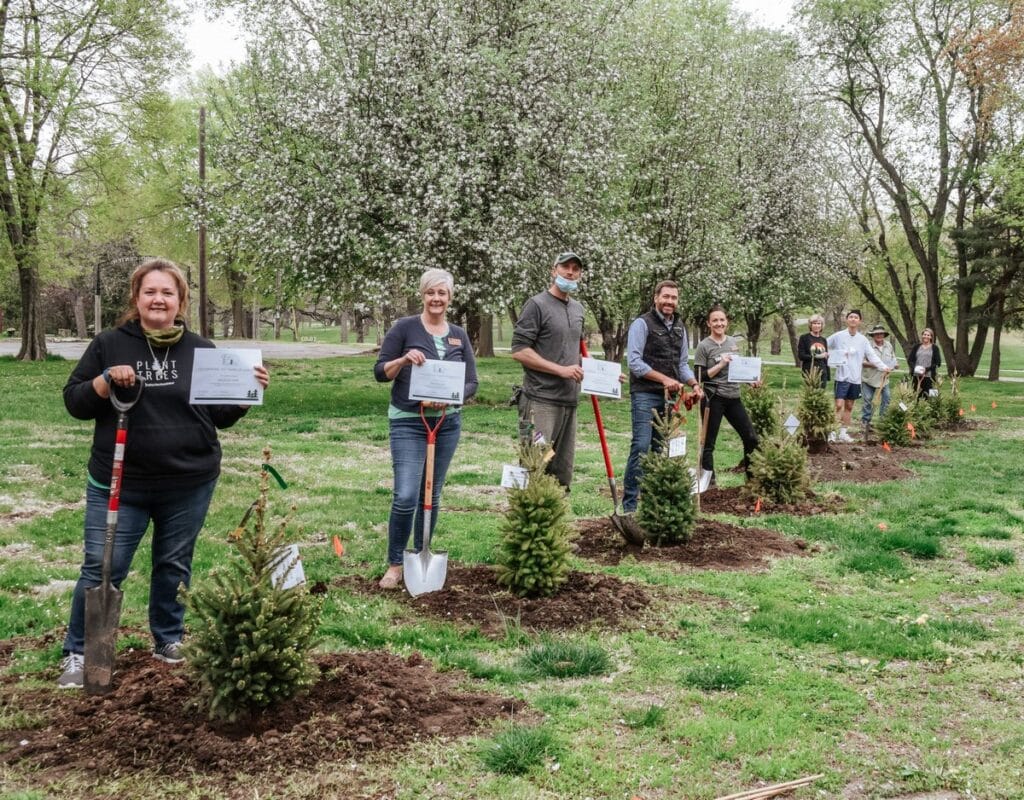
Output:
(454, 342)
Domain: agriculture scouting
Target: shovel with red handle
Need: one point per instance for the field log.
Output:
(103, 602)
(425, 571)
(625, 525)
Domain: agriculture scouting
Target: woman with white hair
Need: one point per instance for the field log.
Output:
(412, 341)
(812, 349)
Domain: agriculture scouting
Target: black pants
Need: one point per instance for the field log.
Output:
(732, 409)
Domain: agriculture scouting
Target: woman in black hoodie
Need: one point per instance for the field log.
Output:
(172, 459)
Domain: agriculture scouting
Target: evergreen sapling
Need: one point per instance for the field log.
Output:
(666, 510)
(533, 559)
(250, 638)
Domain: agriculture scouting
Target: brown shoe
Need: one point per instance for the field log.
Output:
(391, 578)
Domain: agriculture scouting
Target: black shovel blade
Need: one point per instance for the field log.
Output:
(102, 617)
(630, 529)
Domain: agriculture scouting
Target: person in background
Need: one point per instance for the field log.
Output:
(849, 349)
(171, 463)
(812, 349)
(924, 361)
(410, 342)
(721, 398)
(872, 380)
(657, 353)
(546, 341)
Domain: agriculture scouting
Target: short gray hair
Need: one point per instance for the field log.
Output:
(433, 277)
(815, 318)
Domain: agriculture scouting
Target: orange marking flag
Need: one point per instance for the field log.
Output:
(757, 506)
(339, 548)
(886, 448)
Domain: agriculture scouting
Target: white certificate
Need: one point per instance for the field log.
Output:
(743, 369)
(438, 382)
(602, 378)
(223, 376)
(836, 358)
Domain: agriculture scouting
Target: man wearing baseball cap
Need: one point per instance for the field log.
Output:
(546, 341)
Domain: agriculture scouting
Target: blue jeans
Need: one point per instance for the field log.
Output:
(645, 438)
(178, 516)
(408, 459)
(868, 393)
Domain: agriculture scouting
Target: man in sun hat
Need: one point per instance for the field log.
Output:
(874, 380)
(546, 341)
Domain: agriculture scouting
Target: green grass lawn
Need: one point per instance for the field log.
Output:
(891, 659)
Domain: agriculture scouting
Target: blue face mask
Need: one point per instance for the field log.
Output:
(566, 285)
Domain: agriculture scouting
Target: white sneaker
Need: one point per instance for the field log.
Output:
(845, 437)
(832, 436)
(72, 675)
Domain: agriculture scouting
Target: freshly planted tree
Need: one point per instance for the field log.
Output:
(778, 470)
(896, 426)
(762, 406)
(534, 555)
(666, 510)
(816, 412)
(251, 637)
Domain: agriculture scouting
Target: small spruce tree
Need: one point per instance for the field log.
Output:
(666, 510)
(762, 406)
(816, 412)
(250, 640)
(892, 426)
(533, 560)
(778, 470)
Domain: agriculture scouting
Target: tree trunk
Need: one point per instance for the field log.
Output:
(81, 326)
(343, 319)
(613, 336)
(485, 348)
(753, 333)
(778, 330)
(793, 338)
(236, 291)
(33, 329)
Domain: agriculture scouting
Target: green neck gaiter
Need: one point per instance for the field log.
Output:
(165, 337)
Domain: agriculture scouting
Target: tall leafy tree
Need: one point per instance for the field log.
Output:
(65, 68)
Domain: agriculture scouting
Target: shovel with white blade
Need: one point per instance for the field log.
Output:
(425, 571)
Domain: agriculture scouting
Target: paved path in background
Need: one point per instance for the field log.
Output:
(72, 349)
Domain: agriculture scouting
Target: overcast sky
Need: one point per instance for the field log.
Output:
(216, 44)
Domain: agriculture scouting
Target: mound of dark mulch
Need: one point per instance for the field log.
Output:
(362, 702)
(713, 545)
(865, 463)
(472, 595)
(734, 500)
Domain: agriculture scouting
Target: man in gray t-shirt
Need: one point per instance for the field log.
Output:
(546, 341)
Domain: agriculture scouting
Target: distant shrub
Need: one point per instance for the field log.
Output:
(762, 406)
(778, 470)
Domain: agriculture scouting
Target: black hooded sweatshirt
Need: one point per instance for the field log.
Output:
(171, 444)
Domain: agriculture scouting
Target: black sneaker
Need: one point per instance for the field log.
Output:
(72, 674)
(169, 653)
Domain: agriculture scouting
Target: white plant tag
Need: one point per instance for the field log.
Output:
(791, 424)
(513, 477)
(903, 406)
(677, 446)
(287, 572)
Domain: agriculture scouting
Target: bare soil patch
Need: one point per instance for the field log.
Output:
(473, 596)
(713, 545)
(363, 703)
(865, 463)
(735, 500)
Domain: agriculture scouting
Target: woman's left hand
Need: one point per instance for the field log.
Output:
(262, 375)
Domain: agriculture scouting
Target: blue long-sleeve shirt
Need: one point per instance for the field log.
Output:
(636, 341)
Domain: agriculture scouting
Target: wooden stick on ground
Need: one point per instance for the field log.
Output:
(766, 792)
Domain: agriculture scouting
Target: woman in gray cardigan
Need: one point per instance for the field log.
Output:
(412, 341)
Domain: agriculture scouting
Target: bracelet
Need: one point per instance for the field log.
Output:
(106, 375)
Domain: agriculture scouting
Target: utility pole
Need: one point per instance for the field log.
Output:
(204, 319)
